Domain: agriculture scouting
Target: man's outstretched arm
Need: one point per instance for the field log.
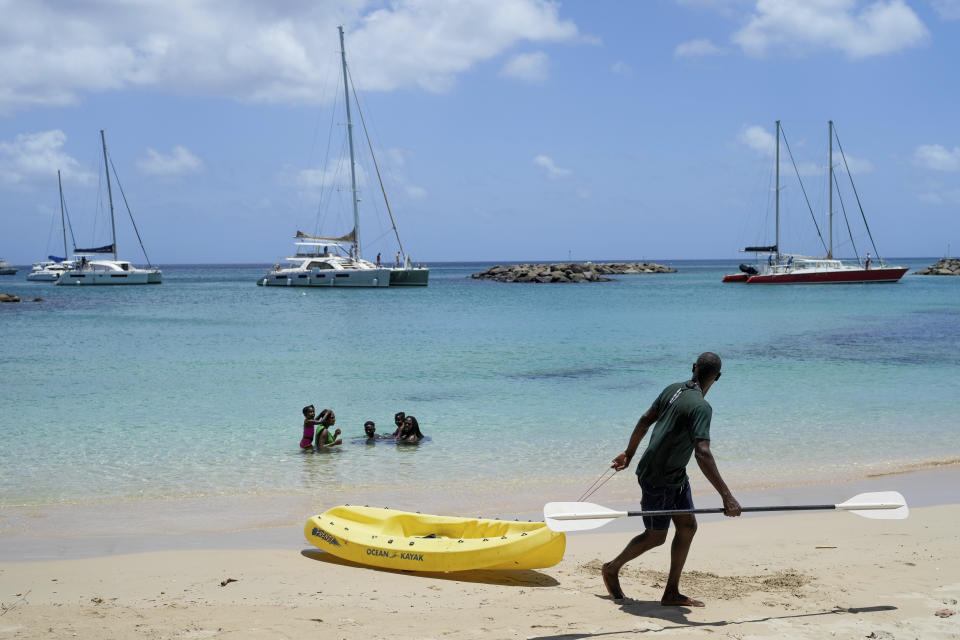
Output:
(708, 465)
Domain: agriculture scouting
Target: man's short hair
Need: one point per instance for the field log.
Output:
(707, 366)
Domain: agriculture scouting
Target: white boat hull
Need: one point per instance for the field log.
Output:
(105, 278)
(328, 278)
(43, 276)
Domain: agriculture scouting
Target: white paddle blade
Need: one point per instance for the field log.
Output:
(880, 505)
(578, 516)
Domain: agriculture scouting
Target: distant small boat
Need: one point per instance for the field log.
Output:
(49, 270)
(784, 268)
(101, 271)
(420, 542)
(6, 269)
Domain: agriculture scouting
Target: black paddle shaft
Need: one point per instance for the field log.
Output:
(676, 512)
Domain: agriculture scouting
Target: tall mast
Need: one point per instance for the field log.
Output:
(63, 219)
(830, 208)
(353, 165)
(778, 193)
(106, 169)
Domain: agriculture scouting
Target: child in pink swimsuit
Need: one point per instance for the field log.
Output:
(309, 424)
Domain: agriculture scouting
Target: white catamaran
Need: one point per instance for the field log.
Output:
(92, 270)
(321, 261)
(784, 268)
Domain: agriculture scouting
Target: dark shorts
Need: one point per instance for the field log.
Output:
(663, 499)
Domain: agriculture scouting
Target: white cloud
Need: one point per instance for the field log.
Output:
(178, 162)
(855, 28)
(947, 9)
(335, 175)
(696, 49)
(950, 197)
(622, 68)
(416, 192)
(858, 166)
(255, 50)
(764, 143)
(38, 156)
(758, 139)
(937, 157)
(553, 171)
(529, 67)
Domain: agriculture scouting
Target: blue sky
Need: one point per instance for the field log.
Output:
(505, 129)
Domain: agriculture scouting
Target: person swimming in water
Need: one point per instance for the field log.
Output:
(325, 438)
(309, 425)
(370, 429)
(398, 418)
(410, 432)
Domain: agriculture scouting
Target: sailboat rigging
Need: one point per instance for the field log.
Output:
(334, 261)
(49, 270)
(101, 271)
(785, 268)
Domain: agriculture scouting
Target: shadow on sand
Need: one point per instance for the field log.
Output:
(522, 578)
(678, 617)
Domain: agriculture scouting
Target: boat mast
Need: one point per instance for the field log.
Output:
(777, 239)
(830, 207)
(353, 164)
(63, 219)
(106, 169)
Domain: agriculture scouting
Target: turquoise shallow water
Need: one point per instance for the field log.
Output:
(194, 387)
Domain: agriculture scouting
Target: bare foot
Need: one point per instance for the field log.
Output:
(611, 580)
(679, 600)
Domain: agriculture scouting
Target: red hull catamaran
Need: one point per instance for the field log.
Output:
(784, 268)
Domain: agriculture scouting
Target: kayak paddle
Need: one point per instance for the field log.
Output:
(582, 516)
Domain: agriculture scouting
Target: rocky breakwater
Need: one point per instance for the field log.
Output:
(944, 267)
(568, 271)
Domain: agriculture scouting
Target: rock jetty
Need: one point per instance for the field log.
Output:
(944, 267)
(568, 271)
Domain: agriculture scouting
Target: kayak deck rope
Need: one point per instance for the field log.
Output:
(599, 482)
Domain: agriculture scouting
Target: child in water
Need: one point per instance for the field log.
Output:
(326, 439)
(398, 419)
(309, 424)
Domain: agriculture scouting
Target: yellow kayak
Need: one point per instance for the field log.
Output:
(420, 542)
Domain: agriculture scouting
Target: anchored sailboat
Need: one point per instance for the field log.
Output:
(49, 270)
(100, 271)
(784, 268)
(323, 261)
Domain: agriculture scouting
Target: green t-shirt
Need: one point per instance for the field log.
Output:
(664, 462)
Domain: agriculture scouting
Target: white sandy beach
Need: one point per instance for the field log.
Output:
(809, 575)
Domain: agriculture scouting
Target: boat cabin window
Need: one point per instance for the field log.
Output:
(319, 265)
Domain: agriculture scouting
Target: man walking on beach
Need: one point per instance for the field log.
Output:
(682, 418)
